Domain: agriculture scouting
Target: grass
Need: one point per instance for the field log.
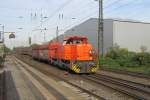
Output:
(132, 66)
(142, 69)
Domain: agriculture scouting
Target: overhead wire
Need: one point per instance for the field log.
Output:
(56, 11)
(139, 11)
(120, 6)
(64, 18)
(86, 10)
(79, 21)
(88, 15)
(116, 1)
(112, 4)
(131, 4)
(80, 12)
(96, 12)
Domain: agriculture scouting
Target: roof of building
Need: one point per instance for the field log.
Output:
(123, 20)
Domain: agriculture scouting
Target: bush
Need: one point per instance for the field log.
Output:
(142, 58)
(116, 53)
(108, 62)
(122, 57)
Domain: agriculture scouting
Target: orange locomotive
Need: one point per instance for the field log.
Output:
(75, 53)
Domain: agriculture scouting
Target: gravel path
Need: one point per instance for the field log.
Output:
(126, 77)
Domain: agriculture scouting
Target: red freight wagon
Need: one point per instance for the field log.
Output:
(41, 52)
(35, 52)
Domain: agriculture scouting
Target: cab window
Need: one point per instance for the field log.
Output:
(73, 42)
(77, 42)
(69, 42)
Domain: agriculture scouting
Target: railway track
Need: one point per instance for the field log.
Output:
(132, 89)
(134, 74)
(90, 93)
(136, 90)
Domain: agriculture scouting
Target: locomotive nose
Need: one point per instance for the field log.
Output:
(84, 66)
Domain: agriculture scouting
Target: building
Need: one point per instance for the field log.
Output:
(124, 33)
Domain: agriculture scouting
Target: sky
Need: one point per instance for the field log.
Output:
(27, 17)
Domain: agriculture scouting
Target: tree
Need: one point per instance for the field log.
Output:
(143, 49)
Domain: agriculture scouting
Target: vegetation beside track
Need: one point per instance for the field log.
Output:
(122, 59)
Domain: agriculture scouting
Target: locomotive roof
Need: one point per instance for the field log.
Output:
(76, 38)
(43, 46)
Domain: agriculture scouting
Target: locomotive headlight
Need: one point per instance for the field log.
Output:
(92, 52)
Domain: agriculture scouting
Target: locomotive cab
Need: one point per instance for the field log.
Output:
(76, 41)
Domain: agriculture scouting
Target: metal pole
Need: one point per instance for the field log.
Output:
(41, 22)
(44, 37)
(3, 34)
(100, 31)
(29, 39)
(57, 31)
(3, 39)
